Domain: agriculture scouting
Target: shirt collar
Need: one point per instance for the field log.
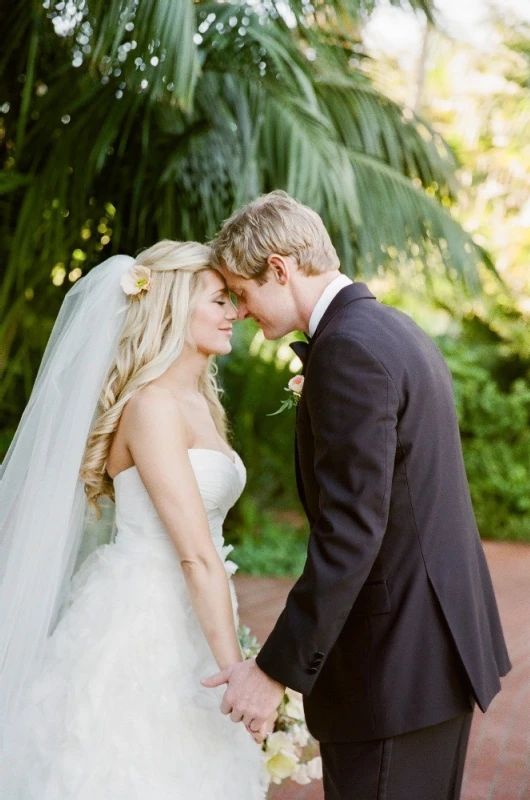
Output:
(331, 290)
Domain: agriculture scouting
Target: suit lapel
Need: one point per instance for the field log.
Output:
(351, 293)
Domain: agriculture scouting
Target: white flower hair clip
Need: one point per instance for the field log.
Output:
(137, 279)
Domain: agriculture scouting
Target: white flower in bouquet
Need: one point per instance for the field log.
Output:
(314, 768)
(280, 756)
(300, 775)
(294, 707)
(248, 643)
(299, 735)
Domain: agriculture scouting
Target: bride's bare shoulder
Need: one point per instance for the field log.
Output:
(152, 406)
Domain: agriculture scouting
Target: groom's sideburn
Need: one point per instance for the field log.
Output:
(392, 628)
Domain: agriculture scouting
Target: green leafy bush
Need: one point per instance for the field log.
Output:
(267, 544)
(267, 526)
(494, 424)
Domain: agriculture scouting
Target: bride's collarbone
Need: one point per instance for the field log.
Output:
(202, 434)
(213, 447)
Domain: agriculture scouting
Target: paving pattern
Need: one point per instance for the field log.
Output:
(498, 763)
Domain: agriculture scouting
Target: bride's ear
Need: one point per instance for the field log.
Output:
(279, 268)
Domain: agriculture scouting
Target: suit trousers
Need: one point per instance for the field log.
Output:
(426, 764)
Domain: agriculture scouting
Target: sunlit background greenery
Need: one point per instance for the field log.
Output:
(124, 121)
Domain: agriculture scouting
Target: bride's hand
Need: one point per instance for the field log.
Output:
(266, 728)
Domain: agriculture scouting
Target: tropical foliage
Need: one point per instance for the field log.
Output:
(486, 118)
(494, 414)
(126, 121)
(123, 121)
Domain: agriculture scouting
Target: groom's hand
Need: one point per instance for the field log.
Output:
(252, 697)
(265, 730)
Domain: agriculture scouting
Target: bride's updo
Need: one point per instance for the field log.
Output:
(153, 337)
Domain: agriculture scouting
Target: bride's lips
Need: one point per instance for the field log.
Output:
(226, 330)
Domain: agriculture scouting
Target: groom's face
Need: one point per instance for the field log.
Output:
(269, 304)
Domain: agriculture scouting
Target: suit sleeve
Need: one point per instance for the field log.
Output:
(352, 404)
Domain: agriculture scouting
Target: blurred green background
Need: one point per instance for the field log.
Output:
(125, 121)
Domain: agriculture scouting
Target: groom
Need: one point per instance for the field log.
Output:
(392, 632)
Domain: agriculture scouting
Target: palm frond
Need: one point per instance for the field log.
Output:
(370, 123)
(114, 151)
(303, 156)
(416, 226)
(352, 9)
(149, 45)
(11, 180)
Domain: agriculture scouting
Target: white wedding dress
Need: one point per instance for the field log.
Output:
(117, 711)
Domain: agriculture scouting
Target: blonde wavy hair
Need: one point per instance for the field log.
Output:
(154, 333)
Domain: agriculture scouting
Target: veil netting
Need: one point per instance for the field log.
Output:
(44, 525)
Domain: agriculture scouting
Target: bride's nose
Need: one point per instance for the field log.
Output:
(231, 312)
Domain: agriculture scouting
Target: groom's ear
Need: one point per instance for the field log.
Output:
(279, 267)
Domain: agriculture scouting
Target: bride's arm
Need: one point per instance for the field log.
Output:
(156, 438)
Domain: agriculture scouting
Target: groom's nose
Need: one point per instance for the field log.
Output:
(242, 310)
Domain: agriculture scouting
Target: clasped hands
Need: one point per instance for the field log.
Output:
(251, 697)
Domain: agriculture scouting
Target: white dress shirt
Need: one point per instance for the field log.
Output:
(331, 290)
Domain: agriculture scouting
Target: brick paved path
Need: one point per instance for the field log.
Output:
(498, 764)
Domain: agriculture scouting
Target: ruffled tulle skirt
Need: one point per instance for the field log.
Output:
(116, 711)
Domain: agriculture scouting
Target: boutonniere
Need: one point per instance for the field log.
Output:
(295, 387)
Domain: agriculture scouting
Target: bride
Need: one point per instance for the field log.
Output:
(100, 694)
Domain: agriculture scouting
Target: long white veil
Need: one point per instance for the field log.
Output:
(42, 499)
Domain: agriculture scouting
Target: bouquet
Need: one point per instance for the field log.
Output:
(284, 750)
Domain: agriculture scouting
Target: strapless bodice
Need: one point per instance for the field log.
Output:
(220, 480)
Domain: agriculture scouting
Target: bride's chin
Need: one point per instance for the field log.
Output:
(222, 350)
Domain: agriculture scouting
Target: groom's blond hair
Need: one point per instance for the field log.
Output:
(274, 223)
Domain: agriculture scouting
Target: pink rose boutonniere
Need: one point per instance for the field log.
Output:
(295, 387)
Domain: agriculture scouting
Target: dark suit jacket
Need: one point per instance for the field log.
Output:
(393, 624)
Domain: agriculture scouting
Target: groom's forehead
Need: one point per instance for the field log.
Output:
(235, 283)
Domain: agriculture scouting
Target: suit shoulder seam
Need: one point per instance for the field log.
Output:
(348, 338)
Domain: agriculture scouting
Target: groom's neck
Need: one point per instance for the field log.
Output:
(308, 291)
